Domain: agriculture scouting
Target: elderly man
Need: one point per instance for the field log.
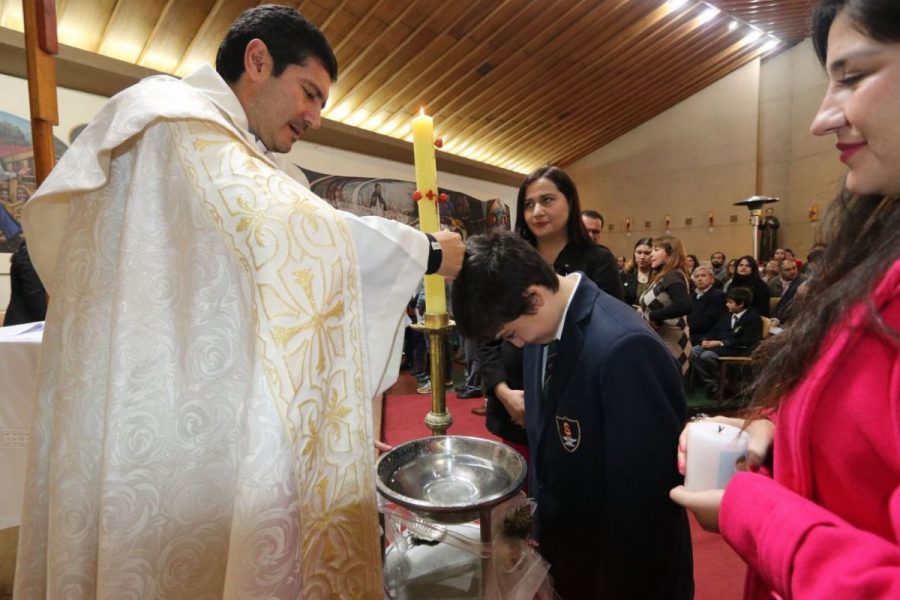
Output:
(593, 222)
(217, 333)
(708, 303)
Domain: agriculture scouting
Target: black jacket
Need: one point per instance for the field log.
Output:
(27, 300)
(707, 311)
(741, 340)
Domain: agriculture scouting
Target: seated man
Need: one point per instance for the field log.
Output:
(788, 275)
(736, 334)
(708, 303)
(792, 280)
(602, 413)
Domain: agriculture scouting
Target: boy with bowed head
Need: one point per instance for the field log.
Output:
(603, 407)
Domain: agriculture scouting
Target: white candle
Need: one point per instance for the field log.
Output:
(713, 453)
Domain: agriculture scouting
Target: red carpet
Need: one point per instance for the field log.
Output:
(718, 571)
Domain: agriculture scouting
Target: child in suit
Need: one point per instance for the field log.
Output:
(604, 406)
(737, 333)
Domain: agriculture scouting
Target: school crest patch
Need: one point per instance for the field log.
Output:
(569, 431)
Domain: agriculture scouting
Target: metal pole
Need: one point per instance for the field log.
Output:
(437, 327)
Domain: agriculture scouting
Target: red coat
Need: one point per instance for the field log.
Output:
(828, 524)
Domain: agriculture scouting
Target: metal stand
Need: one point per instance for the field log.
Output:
(754, 204)
(484, 520)
(437, 327)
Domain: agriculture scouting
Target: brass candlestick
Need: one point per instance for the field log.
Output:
(437, 327)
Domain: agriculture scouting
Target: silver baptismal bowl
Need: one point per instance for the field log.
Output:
(450, 479)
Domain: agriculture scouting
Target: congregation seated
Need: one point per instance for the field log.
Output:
(737, 333)
(791, 280)
(771, 270)
(708, 303)
(789, 274)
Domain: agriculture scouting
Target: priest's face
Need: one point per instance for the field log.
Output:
(284, 107)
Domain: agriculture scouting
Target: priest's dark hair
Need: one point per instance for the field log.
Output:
(491, 288)
(574, 226)
(862, 240)
(289, 36)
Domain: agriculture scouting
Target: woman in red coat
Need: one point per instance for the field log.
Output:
(822, 520)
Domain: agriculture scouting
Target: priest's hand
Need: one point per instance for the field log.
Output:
(453, 249)
(705, 505)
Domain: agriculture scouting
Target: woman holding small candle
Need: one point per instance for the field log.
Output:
(825, 522)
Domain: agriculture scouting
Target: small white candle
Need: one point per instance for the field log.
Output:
(713, 453)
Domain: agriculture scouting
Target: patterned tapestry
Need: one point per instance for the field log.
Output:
(17, 181)
(392, 198)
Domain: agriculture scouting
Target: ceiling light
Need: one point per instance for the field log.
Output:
(754, 35)
(675, 4)
(708, 14)
(339, 112)
(770, 44)
(733, 25)
(357, 118)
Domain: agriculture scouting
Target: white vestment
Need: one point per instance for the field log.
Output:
(215, 336)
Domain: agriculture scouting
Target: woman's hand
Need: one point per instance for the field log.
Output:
(705, 504)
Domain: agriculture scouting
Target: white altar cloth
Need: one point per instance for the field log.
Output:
(20, 347)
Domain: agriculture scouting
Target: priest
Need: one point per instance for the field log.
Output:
(215, 337)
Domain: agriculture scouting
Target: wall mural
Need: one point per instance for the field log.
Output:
(392, 198)
(17, 181)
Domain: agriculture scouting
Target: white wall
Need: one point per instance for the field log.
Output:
(746, 134)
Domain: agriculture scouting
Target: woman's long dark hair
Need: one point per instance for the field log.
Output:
(574, 226)
(745, 280)
(863, 240)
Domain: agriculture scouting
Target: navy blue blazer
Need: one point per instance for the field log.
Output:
(603, 456)
(740, 340)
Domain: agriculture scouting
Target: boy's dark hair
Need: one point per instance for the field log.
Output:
(490, 290)
(290, 38)
(740, 295)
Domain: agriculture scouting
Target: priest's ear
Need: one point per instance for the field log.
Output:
(257, 61)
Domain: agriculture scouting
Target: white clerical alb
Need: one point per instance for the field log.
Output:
(215, 336)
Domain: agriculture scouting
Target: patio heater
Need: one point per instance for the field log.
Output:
(754, 204)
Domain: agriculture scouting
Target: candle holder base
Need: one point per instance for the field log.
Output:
(437, 326)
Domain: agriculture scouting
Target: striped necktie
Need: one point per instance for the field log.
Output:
(550, 350)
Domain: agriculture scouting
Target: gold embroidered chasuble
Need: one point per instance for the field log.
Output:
(203, 426)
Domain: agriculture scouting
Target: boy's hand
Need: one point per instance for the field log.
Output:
(513, 401)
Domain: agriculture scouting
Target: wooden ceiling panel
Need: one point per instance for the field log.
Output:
(173, 33)
(129, 28)
(512, 83)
